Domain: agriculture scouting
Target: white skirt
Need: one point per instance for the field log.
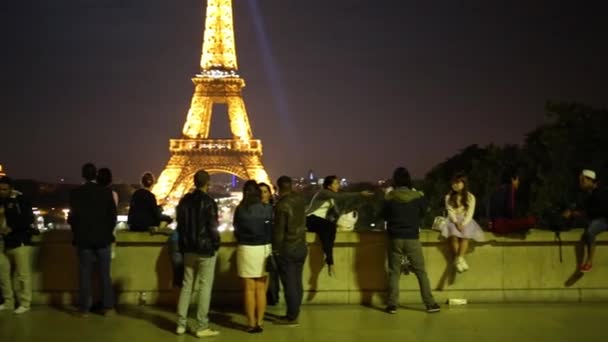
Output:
(251, 260)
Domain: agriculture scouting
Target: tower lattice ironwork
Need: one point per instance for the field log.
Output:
(217, 83)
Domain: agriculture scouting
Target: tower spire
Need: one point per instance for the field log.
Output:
(219, 51)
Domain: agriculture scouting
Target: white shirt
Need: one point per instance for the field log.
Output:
(460, 210)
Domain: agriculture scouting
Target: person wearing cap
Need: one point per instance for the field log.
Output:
(595, 208)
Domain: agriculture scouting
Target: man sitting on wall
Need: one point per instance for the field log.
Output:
(595, 208)
(503, 209)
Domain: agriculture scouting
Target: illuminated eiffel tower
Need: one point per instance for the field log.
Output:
(218, 82)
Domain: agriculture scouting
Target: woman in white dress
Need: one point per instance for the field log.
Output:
(252, 231)
(461, 226)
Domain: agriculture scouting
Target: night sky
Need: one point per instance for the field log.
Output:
(347, 87)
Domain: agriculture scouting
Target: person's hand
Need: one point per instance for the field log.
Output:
(460, 226)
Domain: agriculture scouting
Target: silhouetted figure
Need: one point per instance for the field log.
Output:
(144, 213)
(92, 219)
(503, 207)
(16, 218)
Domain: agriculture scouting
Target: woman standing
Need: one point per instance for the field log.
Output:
(461, 227)
(253, 230)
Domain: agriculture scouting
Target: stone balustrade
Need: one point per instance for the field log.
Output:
(531, 268)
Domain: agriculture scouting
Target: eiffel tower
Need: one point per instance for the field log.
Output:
(218, 82)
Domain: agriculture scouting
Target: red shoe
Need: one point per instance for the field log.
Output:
(585, 268)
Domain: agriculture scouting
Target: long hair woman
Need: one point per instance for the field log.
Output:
(461, 227)
(253, 230)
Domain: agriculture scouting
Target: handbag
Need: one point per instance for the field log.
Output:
(439, 223)
(346, 222)
(271, 264)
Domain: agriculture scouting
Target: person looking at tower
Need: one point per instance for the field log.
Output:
(323, 212)
(252, 231)
(104, 178)
(92, 219)
(199, 241)
(144, 213)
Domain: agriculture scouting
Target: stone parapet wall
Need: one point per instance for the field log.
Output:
(531, 268)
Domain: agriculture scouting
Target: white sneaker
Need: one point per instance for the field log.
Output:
(5, 307)
(207, 333)
(464, 265)
(180, 330)
(21, 310)
(458, 264)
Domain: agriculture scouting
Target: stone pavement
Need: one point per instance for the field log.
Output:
(335, 323)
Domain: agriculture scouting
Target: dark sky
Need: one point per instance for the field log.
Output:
(363, 85)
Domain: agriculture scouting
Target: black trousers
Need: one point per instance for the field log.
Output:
(326, 230)
(291, 265)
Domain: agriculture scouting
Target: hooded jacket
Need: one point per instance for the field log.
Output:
(403, 210)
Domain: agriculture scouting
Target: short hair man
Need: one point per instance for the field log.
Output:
(199, 241)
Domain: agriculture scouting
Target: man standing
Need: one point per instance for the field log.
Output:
(596, 211)
(403, 209)
(199, 240)
(289, 247)
(92, 219)
(16, 218)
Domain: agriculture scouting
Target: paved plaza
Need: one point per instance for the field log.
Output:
(348, 323)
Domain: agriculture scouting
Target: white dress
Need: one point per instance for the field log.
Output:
(464, 216)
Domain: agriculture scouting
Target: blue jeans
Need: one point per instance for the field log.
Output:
(595, 227)
(86, 258)
(291, 265)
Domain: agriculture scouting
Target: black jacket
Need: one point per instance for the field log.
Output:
(92, 216)
(143, 211)
(19, 217)
(253, 225)
(197, 224)
(289, 231)
(403, 210)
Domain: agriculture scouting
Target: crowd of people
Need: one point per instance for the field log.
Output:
(270, 232)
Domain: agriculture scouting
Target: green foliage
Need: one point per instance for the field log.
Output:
(549, 162)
